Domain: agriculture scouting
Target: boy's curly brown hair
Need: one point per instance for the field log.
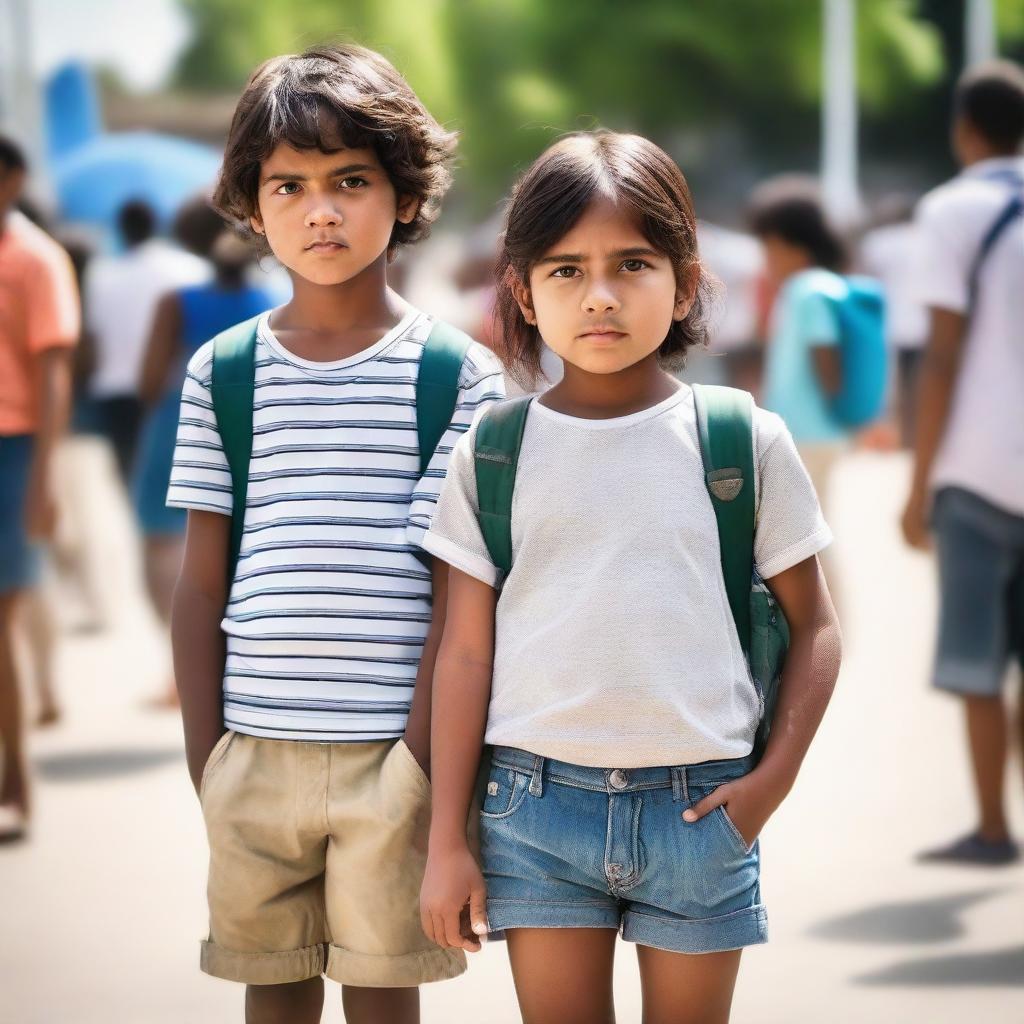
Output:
(328, 96)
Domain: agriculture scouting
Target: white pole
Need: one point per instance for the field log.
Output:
(839, 112)
(979, 32)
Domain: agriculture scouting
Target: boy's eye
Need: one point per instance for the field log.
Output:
(634, 265)
(353, 183)
(565, 272)
(289, 188)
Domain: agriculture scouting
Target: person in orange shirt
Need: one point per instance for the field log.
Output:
(39, 327)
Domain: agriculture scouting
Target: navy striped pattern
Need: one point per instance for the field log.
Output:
(330, 605)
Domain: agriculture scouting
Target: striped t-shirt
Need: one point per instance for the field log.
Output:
(331, 602)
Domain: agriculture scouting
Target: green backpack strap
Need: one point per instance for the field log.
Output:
(725, 427)
(499, 436)
(231, 387)
(437, 386)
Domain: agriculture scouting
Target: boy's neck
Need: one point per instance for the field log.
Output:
(600, 396)
(326, 322)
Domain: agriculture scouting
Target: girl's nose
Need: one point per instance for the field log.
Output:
(600, 299)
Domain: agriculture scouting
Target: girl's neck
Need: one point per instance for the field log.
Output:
(360, 303)
(601, 396)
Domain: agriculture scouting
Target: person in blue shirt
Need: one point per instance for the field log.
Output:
(803, 256)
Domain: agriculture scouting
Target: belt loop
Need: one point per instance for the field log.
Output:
(686, 785)
(677, 784)
(536, 780)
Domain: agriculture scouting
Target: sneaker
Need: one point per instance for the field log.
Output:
(973, 849)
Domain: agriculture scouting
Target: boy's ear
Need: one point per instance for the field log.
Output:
(408, 207)
(686, 292)
(521, 293)
(256, 224)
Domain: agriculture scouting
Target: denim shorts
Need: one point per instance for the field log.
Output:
(566, 846)
(981, 579)
(19, 555)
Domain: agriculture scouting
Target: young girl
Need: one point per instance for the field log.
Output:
(607, 672)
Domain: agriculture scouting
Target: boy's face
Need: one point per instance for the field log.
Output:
(11, 182)
(602, 297)
(327, 216)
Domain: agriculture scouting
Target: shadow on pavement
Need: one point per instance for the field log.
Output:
(90, 765)
(994, 969)
(936, 919)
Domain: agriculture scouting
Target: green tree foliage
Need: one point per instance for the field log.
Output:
(512, 74)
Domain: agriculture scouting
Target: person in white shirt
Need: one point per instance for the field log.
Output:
(969, 457)
(121, 296)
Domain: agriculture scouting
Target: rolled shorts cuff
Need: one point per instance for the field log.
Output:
(503, 914)
(407, 970)
(748, 927)
(262, 968)
(968, 679)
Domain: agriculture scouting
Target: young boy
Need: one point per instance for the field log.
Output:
(306, 709)
(969, 465)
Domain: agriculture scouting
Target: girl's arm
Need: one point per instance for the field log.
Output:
(808, 679)
(461, 693)
(161, 349)
(199, 600)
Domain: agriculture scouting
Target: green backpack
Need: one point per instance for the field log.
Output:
(724, 423)
(232, 390)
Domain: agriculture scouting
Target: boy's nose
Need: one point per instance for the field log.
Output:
(323, 215)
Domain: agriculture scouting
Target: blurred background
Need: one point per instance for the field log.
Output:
(122, 109)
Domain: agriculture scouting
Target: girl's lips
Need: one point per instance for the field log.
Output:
(603, 336)
(324, 247)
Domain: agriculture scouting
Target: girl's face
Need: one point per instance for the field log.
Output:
(602, 297)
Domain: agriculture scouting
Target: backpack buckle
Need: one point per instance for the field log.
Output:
(725, 484)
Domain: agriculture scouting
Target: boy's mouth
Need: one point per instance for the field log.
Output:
(325, 245)
(602, 334)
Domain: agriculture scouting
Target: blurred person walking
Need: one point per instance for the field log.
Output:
(968, 481)
(803, 257)
(185, 319)
(121, 296)
(890, 252)
(39, 327)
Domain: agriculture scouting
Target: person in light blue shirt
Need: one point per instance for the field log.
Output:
(803, 257)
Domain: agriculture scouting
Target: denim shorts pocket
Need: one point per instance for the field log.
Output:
(506, 790)
(737, 836)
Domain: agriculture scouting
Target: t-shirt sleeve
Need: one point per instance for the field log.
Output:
(200, 477)
(454, 534)
(54, 319)
(942, 265)
(480, 384)
(789, 526)
(816, 320)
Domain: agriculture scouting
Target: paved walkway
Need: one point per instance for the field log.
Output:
(103, 909)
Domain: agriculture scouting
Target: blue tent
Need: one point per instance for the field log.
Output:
(94, 180)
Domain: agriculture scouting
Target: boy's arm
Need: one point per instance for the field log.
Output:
(462, 690)
(161, 348)
(935, 396)
(808, 679)
(196, 637)
(417, 728)
(54, 404)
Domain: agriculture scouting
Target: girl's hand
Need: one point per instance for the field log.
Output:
(451, 881)
(750, 802)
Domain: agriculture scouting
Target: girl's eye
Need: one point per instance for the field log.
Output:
(353, 183)
(634, 265)
(565, 272)
(289, 188)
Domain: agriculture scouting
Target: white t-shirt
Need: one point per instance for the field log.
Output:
(982, 449)
(330, 603)
(121, 296)
(892, 254)
(614, 641)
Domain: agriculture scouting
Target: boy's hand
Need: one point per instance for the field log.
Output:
(914, 521)
(750, 802)
(196, 755)
(451, 882)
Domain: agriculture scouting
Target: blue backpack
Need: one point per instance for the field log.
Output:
(859, 307)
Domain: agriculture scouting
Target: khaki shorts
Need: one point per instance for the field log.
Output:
(317, 852)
